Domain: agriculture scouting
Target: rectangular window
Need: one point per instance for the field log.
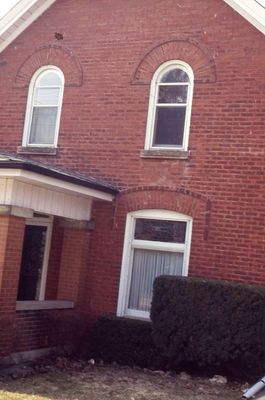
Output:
(156, 243)
(34, 261)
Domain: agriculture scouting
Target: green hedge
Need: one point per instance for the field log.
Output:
(126, 341)
(206, 323)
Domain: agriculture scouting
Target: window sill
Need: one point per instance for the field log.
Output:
(43, 305)
(48, 151)
(166, 154)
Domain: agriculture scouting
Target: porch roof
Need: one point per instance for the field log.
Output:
(14, 162)
(30, 186)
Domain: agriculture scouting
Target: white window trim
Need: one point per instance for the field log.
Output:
(130, 243)
(30, 105)
(48, 223)
(153, 100)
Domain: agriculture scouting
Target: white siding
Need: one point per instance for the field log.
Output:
(44, 200)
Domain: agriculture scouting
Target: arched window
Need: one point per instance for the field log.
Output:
(170, 107)
(157, 242)
(44, 108)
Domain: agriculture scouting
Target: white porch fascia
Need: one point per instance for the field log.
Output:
(47, 195)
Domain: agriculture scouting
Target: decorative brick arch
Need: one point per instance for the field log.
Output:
(182, 49)
(176, 199)
(51, 55)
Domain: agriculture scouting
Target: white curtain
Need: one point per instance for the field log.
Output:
(43, 125)
(45, 107)
(148, 264)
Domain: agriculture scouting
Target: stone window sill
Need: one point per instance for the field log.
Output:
(47, 151)
(29, 305)
(166, 154)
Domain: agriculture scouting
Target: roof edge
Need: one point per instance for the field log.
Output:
(17, 16)
(255, 14)
(12, 163)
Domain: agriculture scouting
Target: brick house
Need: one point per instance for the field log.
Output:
(131, 145)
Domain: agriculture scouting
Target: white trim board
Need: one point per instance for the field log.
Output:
(53, 183)
(19, 18)
(251, 11)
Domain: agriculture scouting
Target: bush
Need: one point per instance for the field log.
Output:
(205, 323)
(126, 341)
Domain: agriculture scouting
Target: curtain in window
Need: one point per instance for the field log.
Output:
(47, 97)
(43, 125)
(148, 264)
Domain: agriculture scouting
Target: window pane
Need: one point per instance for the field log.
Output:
(175, 75)
(172, 94)
(160, 231)
(147, 265)
(32, 261)
(50, 79)
(43, 125)
(169, 126)
(46, 97)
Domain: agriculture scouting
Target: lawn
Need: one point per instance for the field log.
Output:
(112, 382)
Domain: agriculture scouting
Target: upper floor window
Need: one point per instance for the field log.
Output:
(170, 107)
(44, 108)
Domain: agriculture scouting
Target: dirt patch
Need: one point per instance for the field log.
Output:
(80, 382)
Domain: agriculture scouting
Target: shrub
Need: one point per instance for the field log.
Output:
(126, 341)
(206, 323)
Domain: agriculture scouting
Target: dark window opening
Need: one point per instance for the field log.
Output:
(32, 262)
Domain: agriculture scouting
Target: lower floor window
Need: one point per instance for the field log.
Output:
(157, 242)
(34, 263)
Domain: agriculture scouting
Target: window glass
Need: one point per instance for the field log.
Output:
(160, 230)
(43, 125)
(169, 126)
(172, 94)
(175, 75)
(46, 97)
(147, 265)
(50, 79)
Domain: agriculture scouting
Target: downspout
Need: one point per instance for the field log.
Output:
(253, 390)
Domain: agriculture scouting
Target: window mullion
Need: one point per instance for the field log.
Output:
(162, 246)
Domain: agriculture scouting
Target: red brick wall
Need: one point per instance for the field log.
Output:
(104, 114)
(42, 329)
(73, 265)
(11, 240)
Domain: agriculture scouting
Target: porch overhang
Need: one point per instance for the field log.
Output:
(43, 189)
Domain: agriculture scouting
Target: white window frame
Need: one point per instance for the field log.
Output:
(154, 89)
(130, 244)
(29, 110)
(48, 223)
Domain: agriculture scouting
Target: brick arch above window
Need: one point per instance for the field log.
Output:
(176, 199)
(51, 55)
(193, 53)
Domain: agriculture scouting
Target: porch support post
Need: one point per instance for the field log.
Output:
(11, 243)
(74, 260)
